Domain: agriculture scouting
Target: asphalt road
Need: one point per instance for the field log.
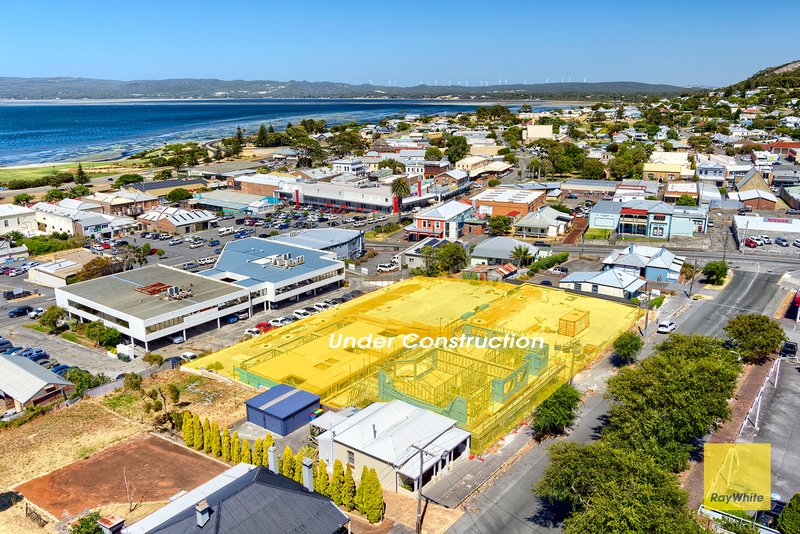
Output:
(507, 505)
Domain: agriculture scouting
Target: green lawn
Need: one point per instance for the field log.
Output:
(597, 233)
(95, 169)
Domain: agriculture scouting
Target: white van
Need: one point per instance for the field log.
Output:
(225, 231)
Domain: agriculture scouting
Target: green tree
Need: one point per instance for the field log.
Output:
(756, 335)
(163, 174)
(188, 428)
(348, 489)
(522, 255)
(80, 176)
(197, 433)
(685, 200)
(400, 189)
(433, 154)
(287, 465)
(54, 195)
(87, 524)
(373, 498)
(499, 224)
(457, 148)
(393, 164)
(22, 198)
(262, 136)
(127, 179)
(337, 482)
(362, 485)
(321, 478)
(52, 316)
(556, 412)
(178, 194)
(132, 381)
(789, 520)
(298, 467)
(78, 191)
(207, 438)
(236, 448)
(621, 167)
(593, 169)
(450, 257)
(95, 268)
(258, 450)
(715, 272)
(173, 390)
(247, 455)
(216, 441)
(627, 347)
(226, 445)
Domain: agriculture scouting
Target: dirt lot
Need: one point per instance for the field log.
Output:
(57, 439)
(219, 401)
(156, 469)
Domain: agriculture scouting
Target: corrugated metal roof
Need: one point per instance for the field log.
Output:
(282, 401)
(21, 379)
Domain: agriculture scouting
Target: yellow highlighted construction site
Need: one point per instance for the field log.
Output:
(487, 390)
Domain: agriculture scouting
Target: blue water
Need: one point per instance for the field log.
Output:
(46, 132)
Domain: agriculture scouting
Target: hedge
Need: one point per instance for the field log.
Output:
(547, 263)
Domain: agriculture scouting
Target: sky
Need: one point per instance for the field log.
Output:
(406, 42)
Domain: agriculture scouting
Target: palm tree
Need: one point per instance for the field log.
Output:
(522, 254)
(400, 189)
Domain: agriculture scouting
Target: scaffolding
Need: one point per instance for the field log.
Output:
(486, 389)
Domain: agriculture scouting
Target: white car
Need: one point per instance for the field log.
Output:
(665, 327)
(321, 306)
(386, 267)
(757, 240)
(302, 313)
(796, 242)
(196, 244)
(252, 332)
(175, 241)
(280, 321)
(36, 313)
(188, 356)
(766, 239)
(382, 218)
(177, 339)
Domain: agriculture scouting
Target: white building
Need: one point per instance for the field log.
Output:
(17, 219)
(612, 283)
(351, 166)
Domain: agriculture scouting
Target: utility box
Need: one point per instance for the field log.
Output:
(573, 323)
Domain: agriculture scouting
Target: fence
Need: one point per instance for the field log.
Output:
(35, 516)
(754, 413)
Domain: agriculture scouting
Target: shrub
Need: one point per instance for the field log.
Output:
(557, 412)
(627, 347)
(547, 263)
(789, 520)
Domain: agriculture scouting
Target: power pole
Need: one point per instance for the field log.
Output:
(421, 469)
(694, 273)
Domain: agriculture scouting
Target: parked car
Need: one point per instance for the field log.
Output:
(252, 332)
(796, 242)
(264, 327)
(386, 267)
(572, 196)
(61, 369)
(792, 211)
(781, 242)
(789, 349)
(214, 243)
(176, 361)
(13, 351)
(164, 236)
(767, 240)
(12, 294)
(560, 270)
(547, 283)
(751, 243)
(196, 244)
(541, 244)
(177, 339)
(36, 313)
(153, 251)
(280, 321)
(665, 327)
(19, 311)
(242, 315)
(175, 241)
(321, 306)
(49, 364)
(302, 313)
(230, 319)
(188, 356)
(5, 345)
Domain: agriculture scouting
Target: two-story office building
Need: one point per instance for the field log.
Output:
(443, 221)
(350, 166)
(648, 218)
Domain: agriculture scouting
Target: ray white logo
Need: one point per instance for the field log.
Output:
(413, 341)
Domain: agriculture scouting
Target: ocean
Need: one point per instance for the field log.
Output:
(46, 132)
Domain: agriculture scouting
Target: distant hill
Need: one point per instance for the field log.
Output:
(787, 76)
(87, 88)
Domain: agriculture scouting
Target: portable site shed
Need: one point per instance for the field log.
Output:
(281, 409)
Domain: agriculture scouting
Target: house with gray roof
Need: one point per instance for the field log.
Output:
(648, 218)
(544, 222)
(343, 242)
(500, 250)
(611, 283)
(24, 382)
(651, 263)
(245, 499)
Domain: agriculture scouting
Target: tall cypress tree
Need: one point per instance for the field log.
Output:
(261, 138)
(226, 446)
(216, 442)
(188, 427)
(373, 498)
(236, 448)
(257, 451)
(321, 478)
(298, 467)
(363, 483)
(247, 456)
(287, 465)
(337, 481)
(197, 432)
(348, 489)
(207, 441)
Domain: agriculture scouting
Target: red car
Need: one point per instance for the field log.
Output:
(153, 251)
(264, 327)
(749, 243)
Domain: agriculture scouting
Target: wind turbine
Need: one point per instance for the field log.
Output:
(436, 82)
(449, 83)
(466, 83)
(506, 81)
(584, 79)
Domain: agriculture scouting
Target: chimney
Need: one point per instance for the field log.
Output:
(111, 524)
(308, 474)
(374, 432)
(202, 512)
(273, 459)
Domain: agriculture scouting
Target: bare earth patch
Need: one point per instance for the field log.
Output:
(155, 468)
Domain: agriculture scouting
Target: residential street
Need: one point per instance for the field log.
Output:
(506, 503)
